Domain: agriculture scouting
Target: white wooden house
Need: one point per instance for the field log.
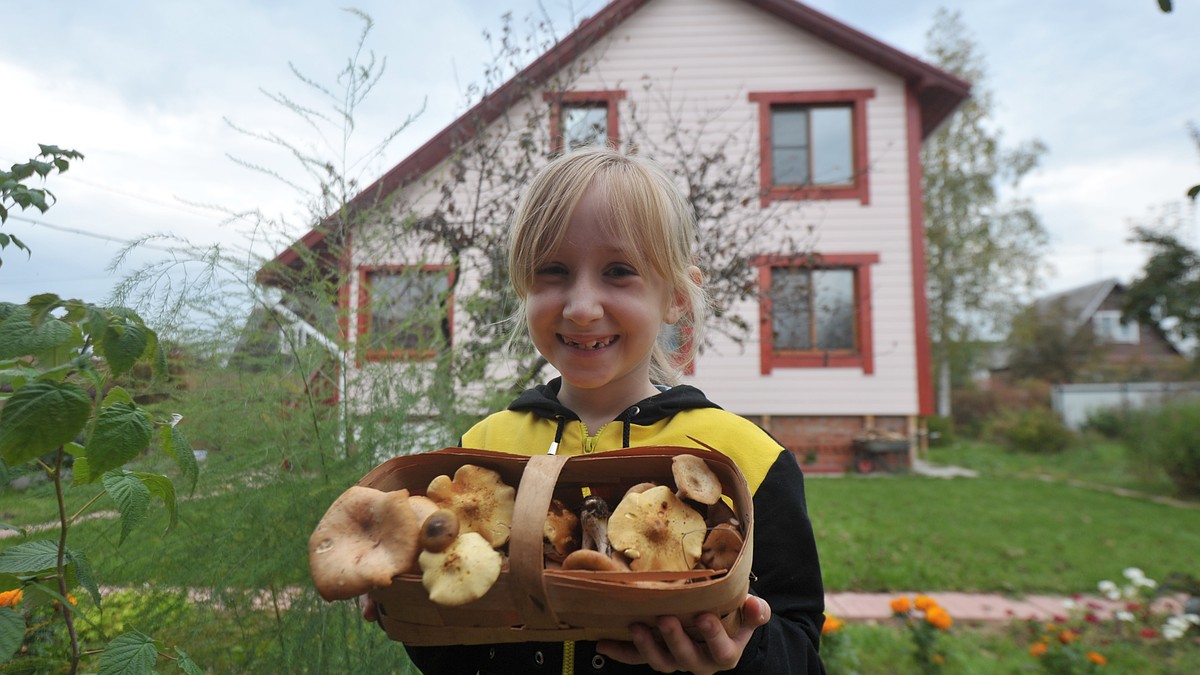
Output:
(835, 121)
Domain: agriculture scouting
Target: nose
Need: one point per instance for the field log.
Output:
(583, 303)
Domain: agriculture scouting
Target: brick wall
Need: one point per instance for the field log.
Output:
(824, 444)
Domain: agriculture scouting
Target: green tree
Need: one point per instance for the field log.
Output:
(1047, 343)
(1167, 291)
(982, 248)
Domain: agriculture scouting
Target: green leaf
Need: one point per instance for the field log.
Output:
(20, 335)
(130, 654)
(117, 395)
(81, 473)
(12, 633)
(1194, 192)
(1164, 5)
(123, 343)
(83, 573)
(132, 498)
(29, 557)
(186, 664)
(164, 489)
(40, 417)
(185, 457)
(122, 431)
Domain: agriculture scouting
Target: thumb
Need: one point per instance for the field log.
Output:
(755, 612)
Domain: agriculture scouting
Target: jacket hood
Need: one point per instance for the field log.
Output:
(542, 401)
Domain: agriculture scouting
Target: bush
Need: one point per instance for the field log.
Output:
(941, 430)
(1111, 423)
(1035, 430)
(1169, 437)
(974, 409)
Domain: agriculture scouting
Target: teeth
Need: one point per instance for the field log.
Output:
(589, 345)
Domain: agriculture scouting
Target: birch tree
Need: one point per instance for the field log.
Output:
(983, 241)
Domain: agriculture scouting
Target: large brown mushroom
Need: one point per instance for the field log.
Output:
(560, 531)
(482, 501)
(365, 538)
(657, 531)
(694, 480)
(721, 547)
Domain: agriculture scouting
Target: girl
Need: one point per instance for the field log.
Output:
(601, 259)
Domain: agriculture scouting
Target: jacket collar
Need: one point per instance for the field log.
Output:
(542, 401)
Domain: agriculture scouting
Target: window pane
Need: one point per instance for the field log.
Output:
(408, 310)
(790, 324)
(789, 145)
(834, 309)
(832, 146)
(585, 124)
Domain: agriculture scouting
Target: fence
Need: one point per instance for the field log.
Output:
(1074, 402)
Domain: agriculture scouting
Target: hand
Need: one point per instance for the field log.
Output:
(677, 651)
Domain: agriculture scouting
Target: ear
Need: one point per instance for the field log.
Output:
(680, 300)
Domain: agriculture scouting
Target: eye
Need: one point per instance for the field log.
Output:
(621, 270)
(551, 269)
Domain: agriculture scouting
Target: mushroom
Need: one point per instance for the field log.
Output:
(641, 487)
(593, 518)
(721, 547)
(365, 538)
(657, 531)
(462, 573)
(422, 506)
(594, 561)
(439, 530)
(483, 503)
(720, 513)
(560, 531)
(694, 480)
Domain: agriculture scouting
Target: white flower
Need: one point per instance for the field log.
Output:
(1124, 616)
(1192, 618)
(1172, 633)
(1107, 587)
(1069, 604)
(1134, 573)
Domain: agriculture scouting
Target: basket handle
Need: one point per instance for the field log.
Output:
(525, 549)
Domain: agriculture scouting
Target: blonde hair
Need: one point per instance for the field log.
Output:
(646, 210)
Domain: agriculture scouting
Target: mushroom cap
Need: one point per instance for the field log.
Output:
(657, 531)
(560, 530)
(422, 506)
(694, 480)
(482, 501)
(595, 561)
(439, 531)
(365, 538)
(464, 572)
(721, 547)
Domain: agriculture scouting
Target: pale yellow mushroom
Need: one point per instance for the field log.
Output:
(694, 480)
(482, 501)
(462, 573)
(721, 547)
(657, 531)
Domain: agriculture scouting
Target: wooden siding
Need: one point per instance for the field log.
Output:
(705, 57)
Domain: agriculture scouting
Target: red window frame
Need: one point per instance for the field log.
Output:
(857, 100)
(609, 97)
(364, 314)
(863, 357)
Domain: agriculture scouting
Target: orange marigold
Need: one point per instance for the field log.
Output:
(832, 624)
(924, 602)
(901, 604)
(11, 598)
(1067, 636)
(938, 618)
(1097, 658)
(1039, 649)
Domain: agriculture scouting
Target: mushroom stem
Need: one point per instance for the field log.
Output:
(593, 517)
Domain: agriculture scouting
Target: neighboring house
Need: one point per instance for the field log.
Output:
(1125, 351)
(837, 343)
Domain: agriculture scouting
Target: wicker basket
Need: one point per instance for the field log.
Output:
(529, 602)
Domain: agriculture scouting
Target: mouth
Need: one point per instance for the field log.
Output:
(588, 345)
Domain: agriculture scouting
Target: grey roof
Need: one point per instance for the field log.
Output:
(1079, 303)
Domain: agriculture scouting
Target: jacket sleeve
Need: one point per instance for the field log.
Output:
(450, 660)
(787, 574)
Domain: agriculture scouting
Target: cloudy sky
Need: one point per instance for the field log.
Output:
(144, 89)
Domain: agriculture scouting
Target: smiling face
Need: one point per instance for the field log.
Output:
(594, 312)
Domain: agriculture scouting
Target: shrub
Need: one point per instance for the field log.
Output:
(1169, 436)
(1035, 430)
(1110, 423)
(941, 430)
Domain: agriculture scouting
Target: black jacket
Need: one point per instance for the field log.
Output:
(785, 571)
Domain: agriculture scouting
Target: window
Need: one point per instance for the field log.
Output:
(1108, 327)
(404, 311)
(581, 118)
(813, 144)
(815, 312)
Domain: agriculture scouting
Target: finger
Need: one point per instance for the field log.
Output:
(755, 612)
(654, 653)
(723, 650)
(368, 608)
